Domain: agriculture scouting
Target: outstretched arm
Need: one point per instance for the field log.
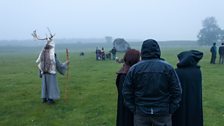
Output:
(61, 67)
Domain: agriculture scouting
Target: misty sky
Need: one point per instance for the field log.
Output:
(131, 19)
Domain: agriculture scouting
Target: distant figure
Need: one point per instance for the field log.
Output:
(124, 115)
(190, 111)
(113, 51)
(221, 54)
(118, 60)
(108, 56)
(213, 51)
(98, 54)
(82, 54)
(152, 89)
(102, 54)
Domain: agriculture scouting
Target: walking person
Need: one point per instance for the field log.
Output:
(124, 116)
(221, 54)
(213, 51)
(152, 89)
(190, 111)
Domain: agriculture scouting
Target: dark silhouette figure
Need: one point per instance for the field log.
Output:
(82, 54)
(103, 54)
(190, 111)
(221, 54)
(98, 54)
(113, 51)
(213, 51)
(124, 115)
(108, 56)
(152, 89)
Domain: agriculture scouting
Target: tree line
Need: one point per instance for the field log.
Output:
(210, 32)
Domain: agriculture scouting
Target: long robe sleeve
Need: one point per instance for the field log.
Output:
(61, 67)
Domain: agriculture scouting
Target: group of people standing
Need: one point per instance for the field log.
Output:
(213, 51)
(152, 93)
(101, 55)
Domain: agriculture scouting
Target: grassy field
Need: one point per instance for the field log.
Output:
(91, 90)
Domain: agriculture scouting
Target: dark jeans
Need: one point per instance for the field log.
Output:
(153, 120)
(213, 59)
(114, 56)
(221, 59)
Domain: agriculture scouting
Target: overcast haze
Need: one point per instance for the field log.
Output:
(132, 19)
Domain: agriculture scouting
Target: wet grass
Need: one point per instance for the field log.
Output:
(91, 91)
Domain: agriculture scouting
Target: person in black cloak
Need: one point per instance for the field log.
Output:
(190, 112)
(213, 51)
(124, 115)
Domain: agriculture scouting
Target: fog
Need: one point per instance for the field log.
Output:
(131, 19)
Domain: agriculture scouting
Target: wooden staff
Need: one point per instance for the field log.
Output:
(67, 76)
(67, 59)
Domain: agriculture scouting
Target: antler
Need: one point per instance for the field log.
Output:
(35, 36)
(51, 35)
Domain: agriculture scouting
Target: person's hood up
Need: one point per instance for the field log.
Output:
(189, 58)
(150, 49)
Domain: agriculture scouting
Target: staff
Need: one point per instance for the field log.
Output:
(65, 87)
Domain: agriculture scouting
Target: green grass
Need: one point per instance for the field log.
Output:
(91, 91)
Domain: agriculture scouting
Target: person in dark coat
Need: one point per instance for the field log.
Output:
(113, 51)
(98, 54)
(152, 89)
(221, 54)
(103, 54)
(213, 51)
(190, 111)
(124, 115)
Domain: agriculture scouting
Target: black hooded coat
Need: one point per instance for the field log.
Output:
(190, 111)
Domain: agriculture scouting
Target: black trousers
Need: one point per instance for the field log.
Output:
(213, 59)
(221, 59)
(153, 120)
